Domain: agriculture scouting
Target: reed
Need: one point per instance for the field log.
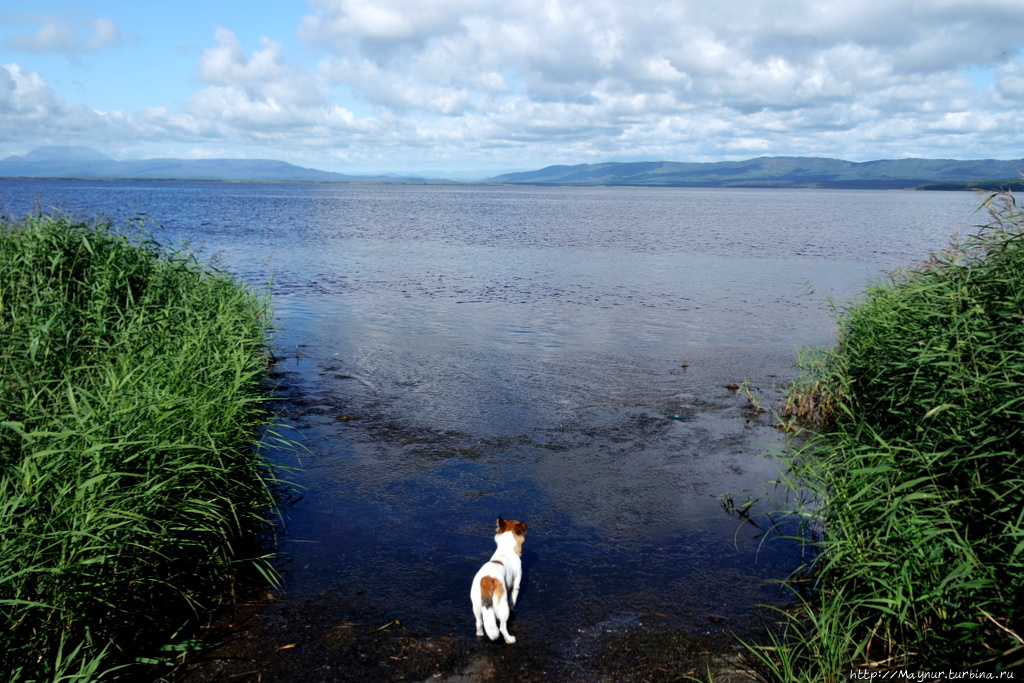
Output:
(132, 395)
(915, 464)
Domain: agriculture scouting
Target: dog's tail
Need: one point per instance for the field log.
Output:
(491, 591)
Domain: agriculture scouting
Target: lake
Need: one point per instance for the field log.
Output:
(561, 356)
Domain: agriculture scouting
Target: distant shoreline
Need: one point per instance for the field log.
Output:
(85, 163)
(984, 185)
(241, 180)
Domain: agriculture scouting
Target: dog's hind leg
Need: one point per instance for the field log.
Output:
(478, 612)
(502, 611)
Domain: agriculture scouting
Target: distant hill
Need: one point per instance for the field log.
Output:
(85, 162)
(781, 172)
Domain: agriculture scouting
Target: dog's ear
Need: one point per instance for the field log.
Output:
(521, 528)
(501, 524)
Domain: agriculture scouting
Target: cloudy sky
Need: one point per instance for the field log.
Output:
(492, 85)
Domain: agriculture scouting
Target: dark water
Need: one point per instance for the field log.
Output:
(554, 355)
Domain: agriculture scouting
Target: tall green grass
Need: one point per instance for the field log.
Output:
(916, 466)
(131, 397)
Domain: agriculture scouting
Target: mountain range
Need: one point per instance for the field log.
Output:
(86, 162)
(783, 172)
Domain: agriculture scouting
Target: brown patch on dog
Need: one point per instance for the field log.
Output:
(491, 590)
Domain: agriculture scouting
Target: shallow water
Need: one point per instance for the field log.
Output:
(554, 355)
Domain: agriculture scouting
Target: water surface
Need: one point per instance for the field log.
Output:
(555, 355)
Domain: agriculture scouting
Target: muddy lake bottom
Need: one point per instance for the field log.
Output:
(337, 638)
(629, 573)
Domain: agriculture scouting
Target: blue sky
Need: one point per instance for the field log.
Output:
(439, 86)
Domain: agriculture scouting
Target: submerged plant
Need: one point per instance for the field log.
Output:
(751, 394)
(131, 398)
(806, 402)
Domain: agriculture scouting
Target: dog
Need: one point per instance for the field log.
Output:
(499, 577)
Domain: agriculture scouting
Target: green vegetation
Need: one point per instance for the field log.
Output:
(131, 398)
(994, 185)
(915, 463)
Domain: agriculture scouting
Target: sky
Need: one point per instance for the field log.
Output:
(487, 86)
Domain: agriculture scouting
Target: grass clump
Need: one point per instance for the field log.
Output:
(916, 466)
(131, 396)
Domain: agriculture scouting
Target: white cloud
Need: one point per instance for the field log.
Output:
(758, 55)
(23, 93)
(259, 97)
(56, 35)
(32, 114)
(202, 154)
(342, 21)
(1010, 81)
(391, 82)
(263, 76)
(28, 104)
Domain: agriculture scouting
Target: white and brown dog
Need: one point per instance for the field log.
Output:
(496, 579)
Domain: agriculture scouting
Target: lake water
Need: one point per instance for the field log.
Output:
(555, 355)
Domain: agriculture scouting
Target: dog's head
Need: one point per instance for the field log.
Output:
(517, 529)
